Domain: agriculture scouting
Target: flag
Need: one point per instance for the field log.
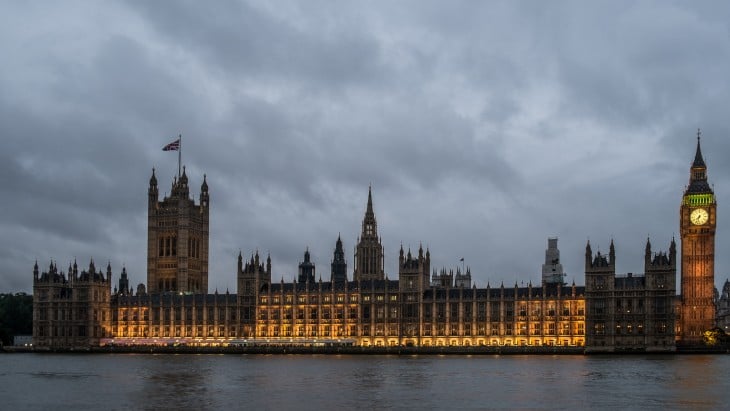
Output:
(174, 146)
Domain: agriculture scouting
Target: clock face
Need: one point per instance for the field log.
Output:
(699, 216)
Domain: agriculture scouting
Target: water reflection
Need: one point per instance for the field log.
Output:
(177, 381)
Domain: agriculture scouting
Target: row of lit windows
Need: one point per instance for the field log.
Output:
(167, 331)
(340, 331)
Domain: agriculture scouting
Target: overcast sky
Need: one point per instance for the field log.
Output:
(483, 127)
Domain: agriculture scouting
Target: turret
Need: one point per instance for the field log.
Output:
(306, 269)
(612, 254)
(123, 282)
(204, 197)
(588, 256)
(647, 252)
(153, 192)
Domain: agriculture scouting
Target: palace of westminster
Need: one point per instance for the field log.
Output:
(421, 308)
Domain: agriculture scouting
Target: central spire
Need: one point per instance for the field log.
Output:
(369, 250)
(369, 224)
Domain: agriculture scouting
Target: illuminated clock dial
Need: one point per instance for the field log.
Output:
(699, 216)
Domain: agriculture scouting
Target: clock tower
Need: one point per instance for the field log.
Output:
(697, 222)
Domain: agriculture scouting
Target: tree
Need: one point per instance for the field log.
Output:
(715, 336)
(16, 316)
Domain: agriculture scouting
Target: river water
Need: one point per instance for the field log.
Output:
(282, 382)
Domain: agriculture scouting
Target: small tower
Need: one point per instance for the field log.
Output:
(413, 272)
(660, 269)
(339, 264)
(413, 280)
(306, 269)
(253, 277)
(443, 279)
(124, 282)
(600, 269)
(463, 279)
(600, 274)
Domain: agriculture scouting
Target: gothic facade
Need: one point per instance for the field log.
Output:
(631, 312)
(420, 307)
(71, 309)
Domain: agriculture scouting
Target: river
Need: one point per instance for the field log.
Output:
(284, 382)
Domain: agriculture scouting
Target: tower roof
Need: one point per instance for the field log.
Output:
(698, 173)
(369, 211)
(699, 161)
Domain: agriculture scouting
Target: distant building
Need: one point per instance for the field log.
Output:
(552, 270)
(22, 340)
(723, 308)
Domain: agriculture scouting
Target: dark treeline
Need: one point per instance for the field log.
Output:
(16, 316)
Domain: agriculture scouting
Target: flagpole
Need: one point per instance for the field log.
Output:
(179, 155)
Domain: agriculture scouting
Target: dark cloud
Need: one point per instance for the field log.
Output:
(483, 128)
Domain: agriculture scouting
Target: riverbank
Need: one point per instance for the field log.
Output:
(351, 350)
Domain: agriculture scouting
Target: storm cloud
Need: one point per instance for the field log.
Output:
(483, 128)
